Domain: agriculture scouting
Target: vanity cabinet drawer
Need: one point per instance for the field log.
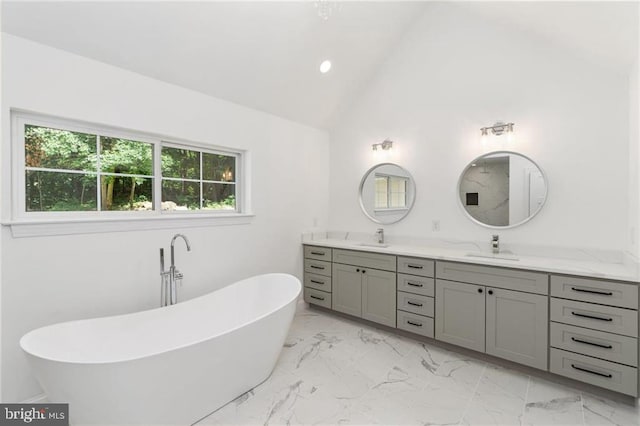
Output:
(608, 346)
(595, 291)
(416, 285)
(317, 267)
(416, 266)
(421, 305)
(510, 279)
(317, 253)
(386, 262)
(605, 318)
(619, 378)
(317, 297)
(319, 282)
(415, 323)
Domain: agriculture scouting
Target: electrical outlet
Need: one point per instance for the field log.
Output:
(435, 225)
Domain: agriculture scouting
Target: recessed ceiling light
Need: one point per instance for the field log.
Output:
(325, 66)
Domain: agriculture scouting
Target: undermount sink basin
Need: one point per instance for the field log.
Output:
(503, 255)
(374, 245)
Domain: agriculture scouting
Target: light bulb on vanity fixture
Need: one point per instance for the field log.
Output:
(325, 66)
(386, 145)
(499, 128)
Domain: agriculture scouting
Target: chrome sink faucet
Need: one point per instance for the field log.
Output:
(170, 278)
(380, 235)
(495, 244)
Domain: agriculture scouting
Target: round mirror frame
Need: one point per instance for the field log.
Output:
(364, 178)
(546, 190)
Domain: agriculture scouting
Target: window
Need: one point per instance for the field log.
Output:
(391, 192)
(197, 180)
(74, 171)
(70, 170)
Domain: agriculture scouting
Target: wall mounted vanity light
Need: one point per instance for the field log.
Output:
(385, 145)
(498, 129)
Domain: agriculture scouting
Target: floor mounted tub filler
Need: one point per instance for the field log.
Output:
(170, 365)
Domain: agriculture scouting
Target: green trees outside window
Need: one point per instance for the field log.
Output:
(74, 171)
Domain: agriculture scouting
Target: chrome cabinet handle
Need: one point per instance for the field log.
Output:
(409, 302)
(591, 372)
(316, 297)
(318, 253)
(414, 266)
(417, 324)
(586, 342)
(317, 282)
(590, 316)
(584, 290)
(414, 284)
(316, 267)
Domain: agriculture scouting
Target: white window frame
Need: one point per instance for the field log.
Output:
(25, 223)
(201, 150)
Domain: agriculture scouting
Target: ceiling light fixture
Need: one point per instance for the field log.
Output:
(385, 145)
(325, 66)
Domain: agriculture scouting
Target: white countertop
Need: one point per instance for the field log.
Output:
(588, 263)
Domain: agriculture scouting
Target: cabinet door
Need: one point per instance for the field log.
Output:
(460, 314)
(517, 325)
(347, 289)
(379, 296)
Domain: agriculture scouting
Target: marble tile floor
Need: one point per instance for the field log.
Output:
(336, 371)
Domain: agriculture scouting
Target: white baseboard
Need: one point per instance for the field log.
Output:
(38, 399)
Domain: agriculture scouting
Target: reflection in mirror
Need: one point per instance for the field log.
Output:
(387, 192)
(502, 189)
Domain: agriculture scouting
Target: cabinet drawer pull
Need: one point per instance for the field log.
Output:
(592, 343)
(317, 267)
(414, 284)
(592, 372)
(409, 302)
(316, 297)
(417, 324)
(318, 253)
(317, 282)
(591, 317)
(584, 290)
(414, 266)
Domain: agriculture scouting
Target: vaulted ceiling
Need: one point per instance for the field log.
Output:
(266, 55)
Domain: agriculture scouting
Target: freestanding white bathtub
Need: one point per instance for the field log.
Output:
(169, 365)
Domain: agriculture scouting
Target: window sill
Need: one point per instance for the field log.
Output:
(41, 228)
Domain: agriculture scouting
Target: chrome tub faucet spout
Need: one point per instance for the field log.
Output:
(170, 278)
(380, 235)
(495, 244)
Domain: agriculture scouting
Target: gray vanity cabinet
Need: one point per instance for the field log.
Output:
(347, 289)
(517, 326)
(460, 314)
(362, 288)
(317, 275)
(379, 296)
(482, 315)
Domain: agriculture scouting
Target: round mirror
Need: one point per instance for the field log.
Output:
(502, 189)
(387, 193)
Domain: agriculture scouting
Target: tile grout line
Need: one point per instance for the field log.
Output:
(473, 395)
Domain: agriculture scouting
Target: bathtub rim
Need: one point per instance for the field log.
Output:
(150, 354)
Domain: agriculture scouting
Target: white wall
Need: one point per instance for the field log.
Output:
(455, 72)
(634, 161)
(51, 279)
(1, 179)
